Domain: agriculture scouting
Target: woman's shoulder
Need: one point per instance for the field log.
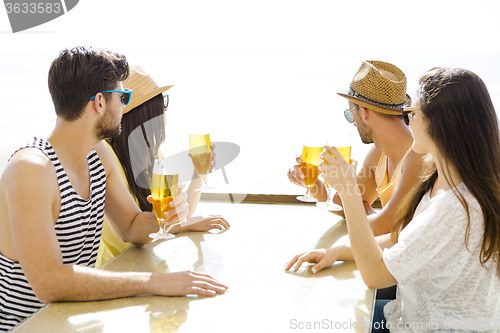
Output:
(461, 196)
(451, 205)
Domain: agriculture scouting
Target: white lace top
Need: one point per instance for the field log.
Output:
(441, 284)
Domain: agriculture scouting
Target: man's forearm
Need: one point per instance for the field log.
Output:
(344, 252)
(381, 223)
(78, 283)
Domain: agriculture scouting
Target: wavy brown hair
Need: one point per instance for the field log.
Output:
(463, 124)
(80, 73)
(149, 117)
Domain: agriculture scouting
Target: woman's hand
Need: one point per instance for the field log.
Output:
(322, 257)
(212, 158)
(206, 223)
(337, 172)
(179, 204)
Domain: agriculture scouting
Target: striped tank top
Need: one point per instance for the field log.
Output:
(78, 230)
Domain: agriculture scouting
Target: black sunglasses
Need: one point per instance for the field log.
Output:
(408, 114)
(165, 101)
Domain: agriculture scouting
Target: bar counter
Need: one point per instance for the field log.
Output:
(248, 257)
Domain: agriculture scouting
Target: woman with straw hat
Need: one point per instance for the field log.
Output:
(145, 111)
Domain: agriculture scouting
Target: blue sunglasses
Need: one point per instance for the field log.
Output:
(126, 95)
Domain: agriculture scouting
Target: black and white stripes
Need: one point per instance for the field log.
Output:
(78, 229)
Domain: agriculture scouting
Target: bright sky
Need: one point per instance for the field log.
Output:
(262, 74)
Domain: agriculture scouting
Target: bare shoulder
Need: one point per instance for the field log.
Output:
(28, 163)
(411, 171)
(30, 171)
(372, 157)
(366, 175)
(103, 150)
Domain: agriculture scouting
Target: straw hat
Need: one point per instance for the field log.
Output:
(379, 86)
(143, 87)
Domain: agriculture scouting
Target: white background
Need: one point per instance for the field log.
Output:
(261, 74)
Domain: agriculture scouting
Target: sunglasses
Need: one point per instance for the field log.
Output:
(348, 114)
(125, 98)
(165, 101)
(408, 114)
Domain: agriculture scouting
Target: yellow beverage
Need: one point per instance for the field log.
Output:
(201, 163)
(311, 173)
(310, 161)
(199, 146)
(161, 206)
(163, 190)
(346, 154)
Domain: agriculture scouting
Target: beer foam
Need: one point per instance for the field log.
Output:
(159, 168)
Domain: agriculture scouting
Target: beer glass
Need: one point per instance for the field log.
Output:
(199, 146)
(344, 148)
(163, 190)
(309, 167)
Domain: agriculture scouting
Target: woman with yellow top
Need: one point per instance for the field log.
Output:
(146, 111)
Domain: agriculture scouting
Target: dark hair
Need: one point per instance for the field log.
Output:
(464, 127)
(149, 117)
(80, 73)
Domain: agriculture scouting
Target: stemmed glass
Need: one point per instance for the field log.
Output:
(164, 188)
(309, 167)
(344, 148)
(199, 146)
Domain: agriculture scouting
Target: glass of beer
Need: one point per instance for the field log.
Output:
(309, 167)
(344, 142)
(163, 190)
(199, 146)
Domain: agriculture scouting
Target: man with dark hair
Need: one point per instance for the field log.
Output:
(52, 195)
(81, 72)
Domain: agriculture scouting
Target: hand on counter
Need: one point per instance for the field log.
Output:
(206, 223)
(321, 257)
(186, 283)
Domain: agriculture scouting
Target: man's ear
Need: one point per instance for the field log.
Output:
(364, 113)
(99, 103)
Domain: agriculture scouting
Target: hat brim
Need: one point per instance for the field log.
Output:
(373, 106)
(138, 100)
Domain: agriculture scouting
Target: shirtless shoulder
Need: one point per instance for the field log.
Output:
(371, 161)
(102, 149)
(28, 167)
(28, 180)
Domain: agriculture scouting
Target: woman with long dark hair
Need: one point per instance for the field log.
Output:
(444, 252)
(135, 149)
